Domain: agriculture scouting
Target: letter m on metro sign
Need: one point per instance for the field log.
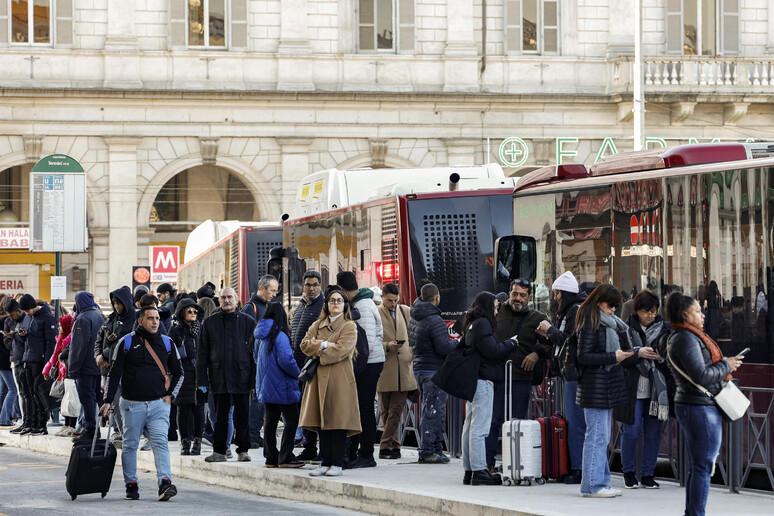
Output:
(164, 262)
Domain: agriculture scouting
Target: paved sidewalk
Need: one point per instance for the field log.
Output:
(405, 487)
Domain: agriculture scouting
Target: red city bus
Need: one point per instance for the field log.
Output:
(697, 219)
(236, 260)
(445, 238)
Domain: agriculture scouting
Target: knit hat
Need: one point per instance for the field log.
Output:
(27, 302)
(165, 287)
(347, 281)
(566, 283)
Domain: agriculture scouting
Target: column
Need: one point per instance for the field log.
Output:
(99, 262)
(295, 166)
(121, 58)
(122, 209)
(462, 151)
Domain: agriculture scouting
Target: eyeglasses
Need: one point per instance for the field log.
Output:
(335, 301)
(521, 282)
(648, 314)
(191, 311)
(311, 285)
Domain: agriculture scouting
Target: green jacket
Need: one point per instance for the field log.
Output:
(507, 322)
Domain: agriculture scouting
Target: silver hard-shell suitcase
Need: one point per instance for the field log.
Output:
(522, 454)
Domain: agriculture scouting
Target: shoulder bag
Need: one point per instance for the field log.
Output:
(309, 369)
(730, 400)
(458, 375)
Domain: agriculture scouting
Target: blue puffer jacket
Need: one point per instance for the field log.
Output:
(276, 376)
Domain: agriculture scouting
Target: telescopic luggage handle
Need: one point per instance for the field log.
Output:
(508, 390)
(96, 435)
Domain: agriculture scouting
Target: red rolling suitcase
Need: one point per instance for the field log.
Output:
(553, 431)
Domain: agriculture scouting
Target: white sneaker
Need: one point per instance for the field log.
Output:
(63, 432)
(605, 492)
(320, 471)
(335, 471)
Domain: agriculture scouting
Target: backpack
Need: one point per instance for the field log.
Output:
(568, 359)
(128, 342)
(360, 362)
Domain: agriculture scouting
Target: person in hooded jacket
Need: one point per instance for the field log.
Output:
(82, 365)
(478, 326)
(56, 369)
(276, 385)
(119, 323)
(568, 297)
(8, 391)
(190, 411)
(648, 390)
(430, 343)
(40, 342)
(15, 343)
(207, 291)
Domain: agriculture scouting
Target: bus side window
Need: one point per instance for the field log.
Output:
(516, 258)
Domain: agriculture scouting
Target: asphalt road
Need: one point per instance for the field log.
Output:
(34, 483)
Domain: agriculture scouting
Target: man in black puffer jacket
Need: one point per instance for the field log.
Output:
(40, 342)
(430, 343)
(306, 312)
(226, 366)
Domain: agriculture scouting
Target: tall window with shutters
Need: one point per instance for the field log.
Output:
(702, 27)
(532, 26)
(385, 25)
(208, 24)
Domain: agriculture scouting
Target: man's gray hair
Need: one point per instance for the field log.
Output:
(265, 281)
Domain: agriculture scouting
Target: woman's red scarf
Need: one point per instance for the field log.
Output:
(712, 346)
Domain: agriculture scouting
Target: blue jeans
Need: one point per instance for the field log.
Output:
(255, 423)
(212, 417)
(87, 386)
(576, 425)
(432, 421)
(702, 427)
(153, 416)
(651, 427)
(520, 405)
(478, 418)
(8, 395)
(596, 470)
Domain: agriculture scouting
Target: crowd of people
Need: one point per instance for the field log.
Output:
(208, 370)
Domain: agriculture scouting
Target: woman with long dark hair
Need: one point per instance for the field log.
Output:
(276, 385)
(478, 337)
(568, 299)
(692, 352)
(602, 338)
(329, 406)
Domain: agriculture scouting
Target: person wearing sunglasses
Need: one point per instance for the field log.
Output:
(602, 338)
(190, 411)
(515, 317)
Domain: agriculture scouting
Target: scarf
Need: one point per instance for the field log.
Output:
(710, 344)
(194, 327)
(612, 326)
(659, 401)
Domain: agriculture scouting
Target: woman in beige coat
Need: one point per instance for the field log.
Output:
(329, 405)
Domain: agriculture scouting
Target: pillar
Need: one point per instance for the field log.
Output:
(295, 166)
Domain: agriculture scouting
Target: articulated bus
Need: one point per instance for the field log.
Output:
(229, 254)
(697, 219)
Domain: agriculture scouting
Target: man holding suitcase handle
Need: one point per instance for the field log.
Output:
(143, 365)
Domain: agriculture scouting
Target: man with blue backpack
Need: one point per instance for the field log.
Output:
(150, 373)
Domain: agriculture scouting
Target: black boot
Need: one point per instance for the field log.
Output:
(484, 478)
(573, 477)
(185, 447)
(196, 448)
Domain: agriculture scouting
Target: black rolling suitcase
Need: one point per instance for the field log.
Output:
(91, 465)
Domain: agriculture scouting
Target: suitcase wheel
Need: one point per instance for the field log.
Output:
(73, 497)
(540, 481)
(103, 495)
(507, 481)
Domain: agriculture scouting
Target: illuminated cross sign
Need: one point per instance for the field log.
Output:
(513, 152)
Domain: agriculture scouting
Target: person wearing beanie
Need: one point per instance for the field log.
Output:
(40, 341)
(361, 300)
(568, 298)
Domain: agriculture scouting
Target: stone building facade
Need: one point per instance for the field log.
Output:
(183, 110)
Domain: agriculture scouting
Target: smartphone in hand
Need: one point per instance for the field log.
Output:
(743, 352)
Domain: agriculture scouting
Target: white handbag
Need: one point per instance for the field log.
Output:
(730, 400)
(71, 404)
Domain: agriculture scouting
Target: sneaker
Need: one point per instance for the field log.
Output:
(18, 429)
(292, 463)
(26, 430)
(207, 439)
(363, 462)
(166, 490)
(434, 458)
(385, 454)
(485, 478)
(573, 477)
(334, 471)
(649, 483)
(606, 492)
(132, 491)
(63, 431)
(117, 443)
(299, 443)
(243, 457)
(630, 480)
(466, 478)
(307, 455)
(215, 457)
(320, 471)
(84, 437)
(229, 454)
(270, 465)
(40, 431)
(145, 444)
